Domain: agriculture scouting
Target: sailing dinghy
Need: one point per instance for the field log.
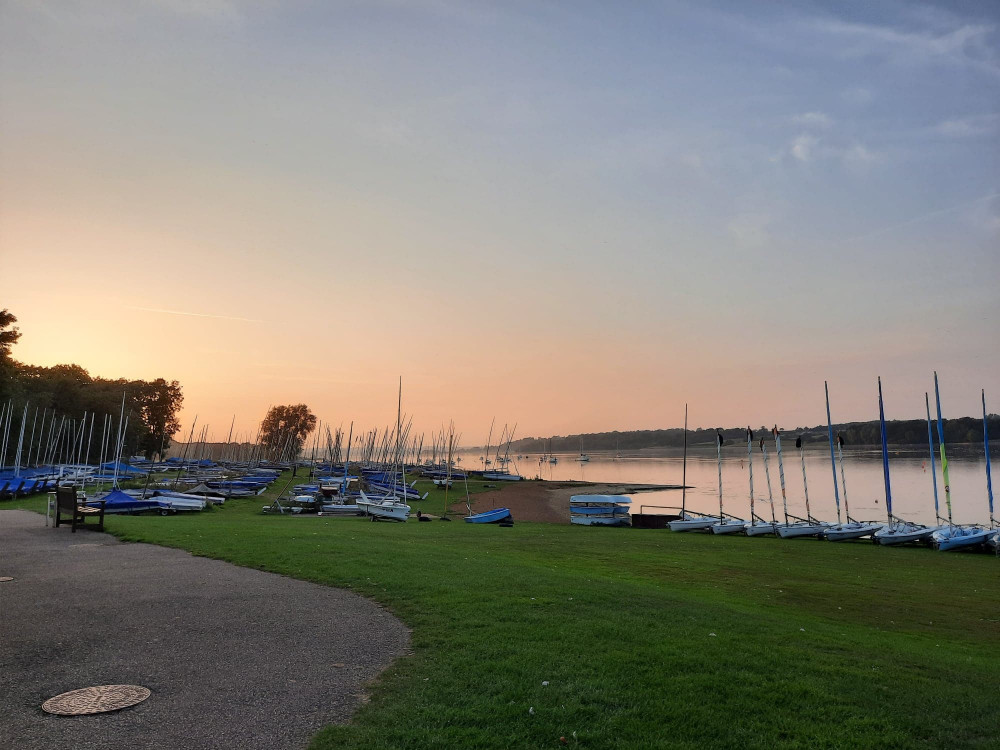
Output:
(796, 527)
(903, 532)
(757, 525)
(600, 510)
(688, 520)
(728, 524)
(390, 507)
(954, 537)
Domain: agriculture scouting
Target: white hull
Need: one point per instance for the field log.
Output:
(693, 524)
(845, 531)
(388, 509)
(759, 528)
(904, 534)
(794, 530)
(729, 526)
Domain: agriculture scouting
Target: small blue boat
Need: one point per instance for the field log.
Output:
(490, 516)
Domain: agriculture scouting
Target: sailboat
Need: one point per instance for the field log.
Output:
(901, 532)
(757, 525)
(583, 457)
(688, 520)
(728, 524)
(958, 537)
(391, 507)
(857, 529)
(797, 527)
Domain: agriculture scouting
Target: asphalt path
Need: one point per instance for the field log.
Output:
(235, 658)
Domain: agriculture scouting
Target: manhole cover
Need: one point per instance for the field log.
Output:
(4, 579)
(95, 700)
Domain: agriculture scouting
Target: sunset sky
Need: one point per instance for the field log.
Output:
(575, 216)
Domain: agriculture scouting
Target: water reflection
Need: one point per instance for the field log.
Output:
(910, 475)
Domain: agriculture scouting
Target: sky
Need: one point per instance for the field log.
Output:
(573, 216)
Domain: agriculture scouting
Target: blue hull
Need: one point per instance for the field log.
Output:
(490, 516)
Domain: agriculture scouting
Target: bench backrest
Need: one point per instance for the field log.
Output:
(66, 498)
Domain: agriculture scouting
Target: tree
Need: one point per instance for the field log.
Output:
(158, 403)
(7, 338)
(285, 429)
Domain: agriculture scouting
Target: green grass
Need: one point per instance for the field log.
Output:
(815, 645)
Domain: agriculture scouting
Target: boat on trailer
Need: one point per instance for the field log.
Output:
(389, 507)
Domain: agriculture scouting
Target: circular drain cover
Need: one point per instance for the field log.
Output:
(4, 579)
(96, 700)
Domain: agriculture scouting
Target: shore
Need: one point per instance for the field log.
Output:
(547, 502)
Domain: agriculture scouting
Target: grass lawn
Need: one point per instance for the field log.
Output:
(645, 638)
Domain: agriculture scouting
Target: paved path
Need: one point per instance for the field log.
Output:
(236, 658)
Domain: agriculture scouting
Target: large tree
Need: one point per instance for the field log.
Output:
(7, 337)
(285, 429)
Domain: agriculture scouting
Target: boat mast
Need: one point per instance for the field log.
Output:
(833, 461)
(753, 514)
(843, 477)
(944, 457)
(802, 458)
(986, 448)
(718, 451)
(885, 453)
(781, 474)
(684, 468)
(930, 443)
(767, 473)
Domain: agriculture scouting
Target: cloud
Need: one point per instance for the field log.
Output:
(968, 127)
(803, 146)
(813, 119)
(193, 314)
(967, 45)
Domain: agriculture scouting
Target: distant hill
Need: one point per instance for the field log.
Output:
(898, 432)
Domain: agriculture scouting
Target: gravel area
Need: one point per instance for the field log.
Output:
(235, 658)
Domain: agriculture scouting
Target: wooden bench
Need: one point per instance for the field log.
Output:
(70, 510)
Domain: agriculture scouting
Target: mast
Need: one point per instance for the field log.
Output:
(767, 473)
(843, 477)
(944, 457)
(684, 470)
(986, 448)
(719, 453)
(802, 458)
(930, 443)
(833, 461)
(753, 514)
(885, 453)
(781, 473)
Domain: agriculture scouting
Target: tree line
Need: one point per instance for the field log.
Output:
(898, 432)
(69, 391)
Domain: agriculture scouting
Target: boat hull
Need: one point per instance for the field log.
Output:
(490, 516)
(729, 526)
(600, 520)
(909, 534)
(843, 532)
(795, 530)
(960, 537)
(693, 524)
(759, 528)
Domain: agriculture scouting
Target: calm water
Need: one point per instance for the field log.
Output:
(910, 476)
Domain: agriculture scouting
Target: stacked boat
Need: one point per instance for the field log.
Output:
(600, 510)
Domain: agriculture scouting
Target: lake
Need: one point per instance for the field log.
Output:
(909, 471)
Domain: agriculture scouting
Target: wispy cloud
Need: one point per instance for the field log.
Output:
(803, 146)
(193, 314)
(968, 127)
(813, 119)
(967, 44)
